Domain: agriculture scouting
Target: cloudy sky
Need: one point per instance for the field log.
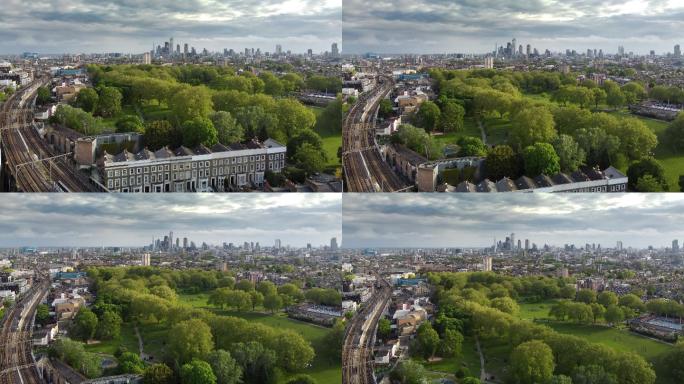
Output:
(475, 26)
(473, 220)
(133, 220)
(132, 26)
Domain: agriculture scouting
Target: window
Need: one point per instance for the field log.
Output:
(139, 180)
(147, 169)
(194, 165)
(110, 174)
(166, 167)
(124, 172)
(154, 168)
(116, 183)
(110, 184)
(206, 164)
(147, 179)
(138, 170)
(117, 173)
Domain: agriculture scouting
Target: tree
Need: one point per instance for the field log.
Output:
(257, 299)
(190, 103)
(607, 298)
(158, 374)
(305, 136)
(501, 162)
(674, 134)
(42, 314)
(592, 374)
(109, 103)
(86, 99)
(44, 96)
(273, 302)
(310, 159)
(386, 108)
(228, 130)
(531, 362)
(157, 134)
(85, 324)
(129, 123)
(384, 329)
(293, 352)
(109, 326)
(199, 131)
(633, 92)
(532, 125)
(614, 95)
(560, 379)
(672, 362)
(408, 372)
(130, 362)
(192, 339)
(471, 146)
(197, 372)
(293, 117)
(570, 155)
(428, 116)
(258, 363)
(648, 183)
(614, 314)
(451, 119)
(599, 95)
(451, 343)
(646, 166)
(272, 85)
(506, 305)
(267, 288)
(586, 296)
(427, 340)
(636, 138)
(632, 301)
(225, 368)
(541, 158)
(597, 311)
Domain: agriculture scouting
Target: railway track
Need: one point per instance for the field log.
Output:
(364, 167)
(16, 357)
(357, 351)
(26, 153)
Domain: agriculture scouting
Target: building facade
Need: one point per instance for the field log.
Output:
(199, 170)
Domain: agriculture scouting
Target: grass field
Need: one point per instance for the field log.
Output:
(469, 359)
(332, 141)
(126, 338)
(322, 369)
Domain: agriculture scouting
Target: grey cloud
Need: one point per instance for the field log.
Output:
(129, 26)
(429, 26)
(474, 220)
(58, 220)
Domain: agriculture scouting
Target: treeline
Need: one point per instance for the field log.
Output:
(547, 138)
(538, 353)
(205, 105)
(202, 341)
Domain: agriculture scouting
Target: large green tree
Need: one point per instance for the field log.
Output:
(192, 339)
(541, 159)
(109, 103)
(197, 372)
(190, 103)
(199, 131)
(531, 362)
(225, 368)
(501, 162)
(532, 125)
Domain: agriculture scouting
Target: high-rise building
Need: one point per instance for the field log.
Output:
(145, 260)
(529, 50)
(621, 50)
(489, 62)
(513, 46)
(527, 244)
(147, 58)
(185, 49)
(677, 51)
(487, 264)
(512, 241)
(185, 243)
(619, 245)
(277, 244)
(334, 50)
(170, 244)
(279, 49)
(171, 46)
(177, 243)
(333, 244)
(675, 245)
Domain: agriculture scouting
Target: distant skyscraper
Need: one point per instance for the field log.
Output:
(145, 261)
(513, 47)
(675, 245)
(279, 49)
(185, 243)
(489, 62)
(512, 241)
(277, 244)
(333, 244)
(171, 46)
(487, 264)
(147, 58)
(185, 49)
(619, 245)
(170, 245)
(309, 52)
(177, 243)
(677, 51)
(334, 50)
(529, 50)
(527, 244)
(621, 50)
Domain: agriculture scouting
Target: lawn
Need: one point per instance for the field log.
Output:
(672, 162)
(531, 311)
(126, 338)
(322, 369)
(469, 359)
(332, 139)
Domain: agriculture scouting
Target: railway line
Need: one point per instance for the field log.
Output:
(357, 351)
(363, 164)
(28, 158)
(16, 357)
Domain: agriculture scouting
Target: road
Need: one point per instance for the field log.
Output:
(16, 356)
(26, 153)
(364, 167)
(357, 351)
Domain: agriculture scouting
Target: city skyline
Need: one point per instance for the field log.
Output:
(131, 221)
(473, 221)
(131, 27)
(463, 26)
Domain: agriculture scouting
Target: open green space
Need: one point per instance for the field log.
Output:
(127, 338)
(469, 359)
(323, 369)
(332, 139)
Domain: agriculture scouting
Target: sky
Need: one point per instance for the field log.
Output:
(475, 26)
(49, 220)
(474, 220)
(132, 26)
